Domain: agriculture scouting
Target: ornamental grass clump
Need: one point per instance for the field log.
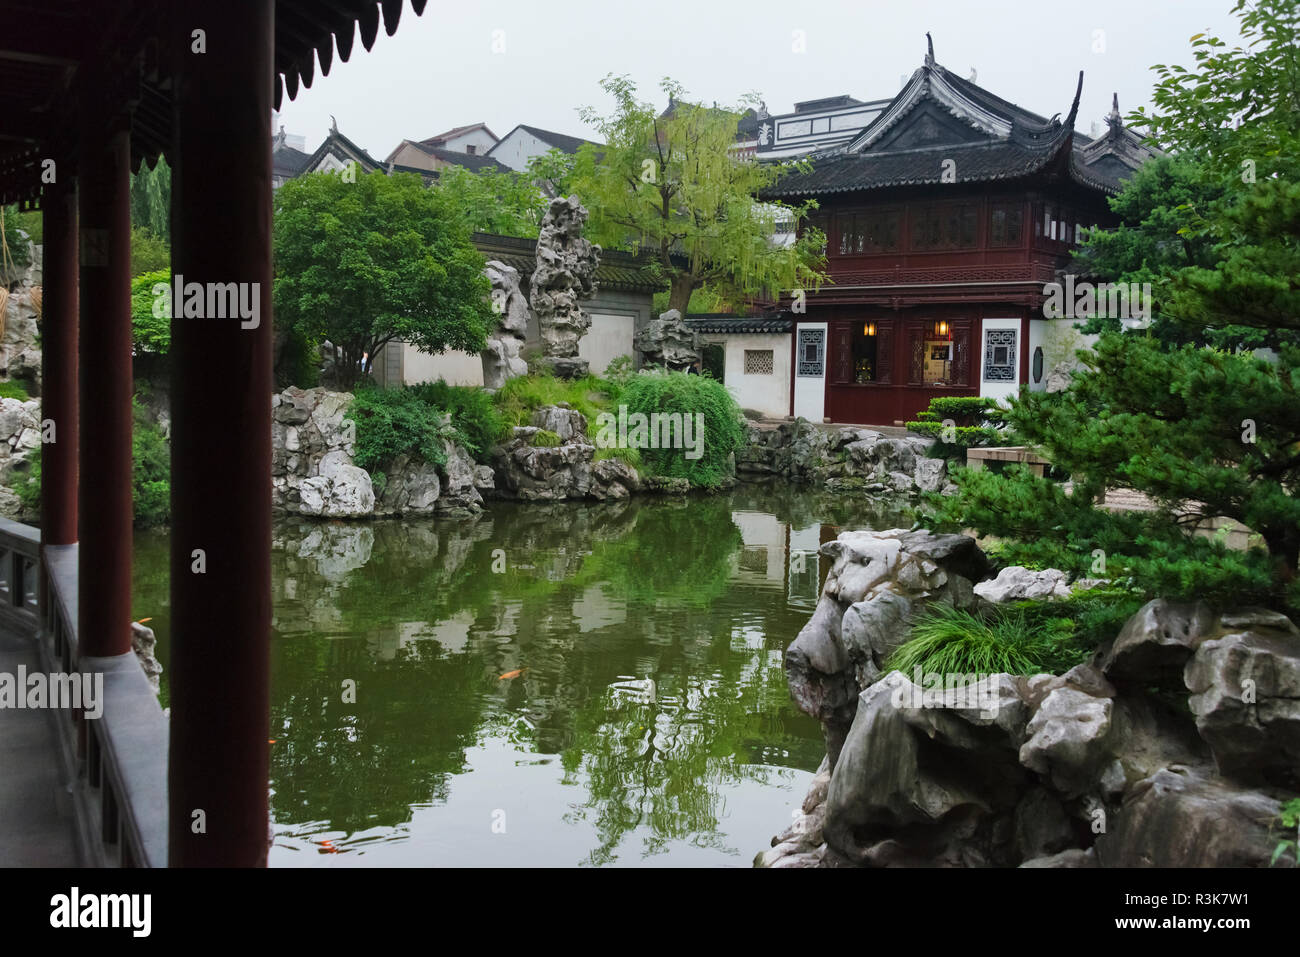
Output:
(705, 401)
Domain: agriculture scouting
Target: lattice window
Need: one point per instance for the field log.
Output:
(1000, 355)
(812, 352)
(758, 362)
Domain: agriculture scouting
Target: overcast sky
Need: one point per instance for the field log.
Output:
(440, 70)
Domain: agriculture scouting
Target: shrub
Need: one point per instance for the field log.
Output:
(149, 252)
(14, 243)
(678, 392)
(28, 487)
(393, 422)
(150, 473)
(150, 470)
(975, 421)
(473, 414)
(546, 439)
(149, 333)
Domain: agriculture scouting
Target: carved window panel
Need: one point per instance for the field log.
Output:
(811, 353)
(1000, 355)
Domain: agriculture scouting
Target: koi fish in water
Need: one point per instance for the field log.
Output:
(512, 674)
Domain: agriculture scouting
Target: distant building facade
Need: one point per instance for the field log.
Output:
(521, 144)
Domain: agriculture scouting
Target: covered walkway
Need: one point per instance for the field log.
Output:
(89, 91)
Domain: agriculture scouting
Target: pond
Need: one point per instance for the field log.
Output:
(543, 685)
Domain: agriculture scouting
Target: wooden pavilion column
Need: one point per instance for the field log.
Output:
(221, 439)
(104, 508)
(59, 364)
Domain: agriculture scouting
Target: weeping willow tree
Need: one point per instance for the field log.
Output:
(673, 182)
(151, 200)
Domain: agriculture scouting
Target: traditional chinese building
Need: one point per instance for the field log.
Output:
(945, 217)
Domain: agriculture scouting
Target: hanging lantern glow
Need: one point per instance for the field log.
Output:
(941, 329)
(869, 329)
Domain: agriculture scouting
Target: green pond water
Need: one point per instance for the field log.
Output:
(649, 724)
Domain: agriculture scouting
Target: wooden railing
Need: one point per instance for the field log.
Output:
(116, 764)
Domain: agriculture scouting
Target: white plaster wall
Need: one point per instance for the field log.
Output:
(768, 394)
(478, 138)
(455, 368)
(518, 148)
(1037, 330)
(1000, 390)
(609, 337)
(810, 391)
(1061, 340)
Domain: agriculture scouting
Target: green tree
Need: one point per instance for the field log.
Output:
(363, 263)
(494, 201)
(151, 201)
(553, 171)
(149, 253)
(151, 327)
(1239, 110)
(1203, 432)
(674, 183)
(1154, 240)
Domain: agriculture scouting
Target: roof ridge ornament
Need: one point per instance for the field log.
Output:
(1113, 119)
(929, 50)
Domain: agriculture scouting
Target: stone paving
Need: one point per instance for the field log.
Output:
(36, 821)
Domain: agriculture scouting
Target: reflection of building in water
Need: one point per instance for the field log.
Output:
(450, 633)
(594, 609)
(803, 580)
(764, 536)
(775, 553)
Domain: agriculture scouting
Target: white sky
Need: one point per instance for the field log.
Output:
(440, 71)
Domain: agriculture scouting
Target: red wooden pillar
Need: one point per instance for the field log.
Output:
(104, 506)
(221, 438)
(59, 364)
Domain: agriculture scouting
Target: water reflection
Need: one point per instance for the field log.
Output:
(644, 717)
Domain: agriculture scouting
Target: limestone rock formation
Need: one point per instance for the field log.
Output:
(535, 472)
(143, 642)
(312, 471)
(20, 440)
(565, 275)
(844, 459)
(668, 342)
(20, 351)
(876, 581)
(501, 357)
(1071, 770)
(1017, 583)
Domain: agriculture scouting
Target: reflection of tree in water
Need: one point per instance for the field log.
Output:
(361, 765)
(365, 602)
(658, 760)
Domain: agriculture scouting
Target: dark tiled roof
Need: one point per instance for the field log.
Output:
(617, 270)
(475, 163)
(561, 141)
(457, 131)
(287, 161)
(826, 103)
(856, 171)
(726, 323)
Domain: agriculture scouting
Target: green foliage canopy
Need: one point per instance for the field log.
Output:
(363, 263)
(673, 183)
